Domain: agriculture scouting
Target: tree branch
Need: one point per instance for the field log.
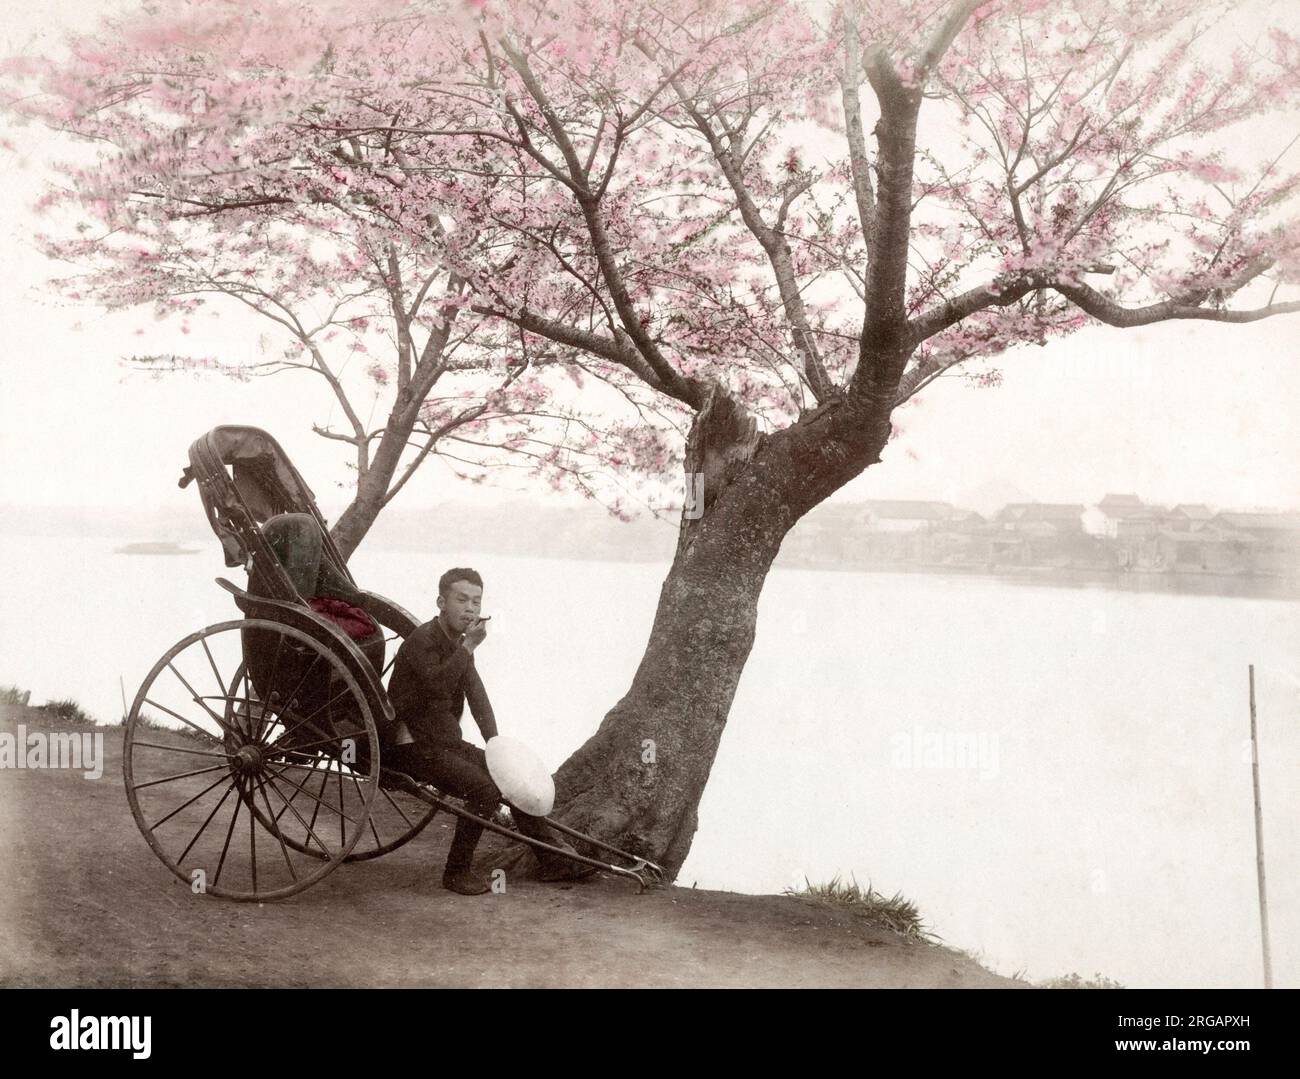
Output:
(589, 204)
(1106, 310)
(945, 35)
(857, 139)
(771, 240)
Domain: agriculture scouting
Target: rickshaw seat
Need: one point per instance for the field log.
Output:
(298, 544)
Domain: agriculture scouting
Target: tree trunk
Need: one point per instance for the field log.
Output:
(355, 521)
(638, 780)
(641, 776)
(372, 488)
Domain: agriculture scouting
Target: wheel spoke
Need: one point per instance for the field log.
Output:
(288, 701)
(252, 836)
(319, 766)
(280, 775)
(180, 775)
(221, 685)
(186, 804)
(345, 691)
(311, 832)
(221, 862)
(205, 824)
(195, 696)
(261, 789)
(393, 803)
(342, 826)
(310, 745)
(287, 803)
(230, 698)
(270, 690)
(177, 715)
(315, 810)
(247, 700)
(289, 731)
(373, 830)
(179, 749)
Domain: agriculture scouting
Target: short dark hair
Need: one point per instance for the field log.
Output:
(459, 573)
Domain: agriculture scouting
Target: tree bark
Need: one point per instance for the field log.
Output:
(372, 488)
(641, 776)
(355, 521)
(638, 780)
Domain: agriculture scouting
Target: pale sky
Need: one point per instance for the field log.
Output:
(1178, 412)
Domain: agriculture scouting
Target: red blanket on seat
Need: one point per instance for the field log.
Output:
(351, 620)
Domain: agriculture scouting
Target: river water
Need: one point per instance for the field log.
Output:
(1058, 777)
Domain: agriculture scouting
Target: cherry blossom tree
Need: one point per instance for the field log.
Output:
(209, 190)
(767, 226)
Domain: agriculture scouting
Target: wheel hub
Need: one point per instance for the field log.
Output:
(248, 760)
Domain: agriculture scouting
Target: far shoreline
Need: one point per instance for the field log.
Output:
(1173, 583)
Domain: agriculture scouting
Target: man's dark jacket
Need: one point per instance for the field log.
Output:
(433, 676)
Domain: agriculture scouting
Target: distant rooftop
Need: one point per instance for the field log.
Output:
(1285, 522)
(1120, 501)
(1128, 506)
(907, 510)
(1041, 511)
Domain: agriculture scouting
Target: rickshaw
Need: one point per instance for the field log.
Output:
(253, 751)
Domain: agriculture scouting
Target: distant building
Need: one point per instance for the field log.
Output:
(1043, 534)
(1188, 517)
(1121, 503)
(1061, 516)
(1211, 549)
(901, 515)
(1275, 539)
(1119, 533)
(1264, 526)
(1123, 517)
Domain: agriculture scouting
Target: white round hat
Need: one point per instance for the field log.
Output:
(520, 774)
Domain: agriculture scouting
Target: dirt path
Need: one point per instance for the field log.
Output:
(84, 902)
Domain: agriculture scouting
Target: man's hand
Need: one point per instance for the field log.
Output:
(475, 634)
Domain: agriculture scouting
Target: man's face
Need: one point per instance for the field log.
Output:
(460, 606)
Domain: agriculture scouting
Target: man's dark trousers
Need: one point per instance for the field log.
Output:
(460, 769)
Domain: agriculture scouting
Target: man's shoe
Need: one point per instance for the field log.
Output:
(553, 867)
(465, 883)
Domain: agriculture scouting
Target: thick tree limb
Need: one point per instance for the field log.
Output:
(617, 349)
(950, 312)
(1104, 309)
(945, 35)
(885, 344)
(882, 343)
(1188, 305)
(858, 162)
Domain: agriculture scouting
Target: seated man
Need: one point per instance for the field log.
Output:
(433, 675)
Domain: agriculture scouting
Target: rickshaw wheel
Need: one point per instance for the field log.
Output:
(186, 752)
(395, 818)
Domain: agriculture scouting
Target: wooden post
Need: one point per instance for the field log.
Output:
(122, 687)
(1259, 839)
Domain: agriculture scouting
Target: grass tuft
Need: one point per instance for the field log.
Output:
(68, 711)
(1073, 981)
(14, 695)
(896, 913)
(153, 723)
